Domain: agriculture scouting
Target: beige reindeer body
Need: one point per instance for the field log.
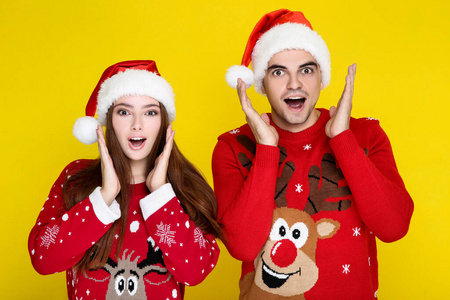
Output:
(286, 265)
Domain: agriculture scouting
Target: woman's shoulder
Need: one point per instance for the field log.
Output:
(77, 165)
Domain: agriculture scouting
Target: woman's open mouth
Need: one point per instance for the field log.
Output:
(136, 143)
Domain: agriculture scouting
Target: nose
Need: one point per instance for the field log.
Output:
(294, 82)
(283, 253)
(137, 124)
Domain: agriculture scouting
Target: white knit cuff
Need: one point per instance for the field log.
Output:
(106, 214)
(151, 203)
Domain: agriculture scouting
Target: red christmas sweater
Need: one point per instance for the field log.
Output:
(303, 216)
(162, 251)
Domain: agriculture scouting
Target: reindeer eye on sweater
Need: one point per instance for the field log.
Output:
(280, 230)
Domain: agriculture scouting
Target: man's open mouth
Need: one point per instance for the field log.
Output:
(295, 102)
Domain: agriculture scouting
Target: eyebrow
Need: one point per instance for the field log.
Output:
(310, 63)
(131, 106)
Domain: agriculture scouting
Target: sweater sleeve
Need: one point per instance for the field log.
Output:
(245, 205)
(378, 190)
(60, 237)
(189, 254)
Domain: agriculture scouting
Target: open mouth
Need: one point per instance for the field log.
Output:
(136, 142)
(295, 102)
(272, 278)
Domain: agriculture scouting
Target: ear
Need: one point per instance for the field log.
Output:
(321, 85)
(326, 228)
(263, 89)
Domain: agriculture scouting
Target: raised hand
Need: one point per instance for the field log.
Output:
(340, 116)
(110, 182)
(158, 176)
(264, 133)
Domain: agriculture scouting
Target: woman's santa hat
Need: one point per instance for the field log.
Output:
(127, 78)
(277, 31)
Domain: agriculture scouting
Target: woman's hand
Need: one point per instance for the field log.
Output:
(110, 182)
(263, 132)
(158, 176)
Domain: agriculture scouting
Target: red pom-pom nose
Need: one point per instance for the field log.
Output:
(283, 253)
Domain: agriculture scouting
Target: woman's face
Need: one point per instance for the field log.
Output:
(136, 121)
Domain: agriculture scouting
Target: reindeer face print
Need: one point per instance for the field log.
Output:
(126, 278)
(287, 261)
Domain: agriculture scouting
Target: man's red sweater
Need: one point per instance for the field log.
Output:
(303, 216)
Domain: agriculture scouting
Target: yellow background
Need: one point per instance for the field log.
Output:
(53, 52)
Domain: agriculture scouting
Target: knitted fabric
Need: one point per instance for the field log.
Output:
(303, 216)
(162, 251)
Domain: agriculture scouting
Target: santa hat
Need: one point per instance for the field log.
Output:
(128, 78)
(277, 31)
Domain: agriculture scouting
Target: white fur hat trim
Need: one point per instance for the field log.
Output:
(235, 72)
(134, 82)
(289, 36)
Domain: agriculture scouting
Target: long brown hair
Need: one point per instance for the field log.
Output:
(196, 196)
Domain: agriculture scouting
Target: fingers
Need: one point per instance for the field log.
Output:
(170, 134)
(265, 118)
(158, 176)
(102, 149)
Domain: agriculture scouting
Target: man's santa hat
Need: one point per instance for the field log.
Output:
(127, 78)
(277, 31)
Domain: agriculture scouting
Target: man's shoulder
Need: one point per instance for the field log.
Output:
(232, 134)
(363, 124)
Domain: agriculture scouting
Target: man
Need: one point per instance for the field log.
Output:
(303, 192)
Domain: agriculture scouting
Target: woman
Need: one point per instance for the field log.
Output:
(140, 220)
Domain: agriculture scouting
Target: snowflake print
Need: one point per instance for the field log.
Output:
(49, 236)
(371, 119)
(166, 236)
(198, 238)
(356, 231)
(307, 147)
(299, 188)
(234, 131)
(346, 269)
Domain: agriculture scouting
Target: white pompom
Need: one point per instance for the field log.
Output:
(84, 130)
(235, 72)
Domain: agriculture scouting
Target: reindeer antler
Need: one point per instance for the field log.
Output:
(324, 186)
(286, 174)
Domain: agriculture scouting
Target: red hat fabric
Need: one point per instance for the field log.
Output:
(135, 77)
(277, 31)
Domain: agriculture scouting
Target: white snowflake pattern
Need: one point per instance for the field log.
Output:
(346, 269)
(307, 147)
(356, 231)
(234, 131)
(198, 238)
(166, 235)
(371, 119)
(49, 236)
(299, 188)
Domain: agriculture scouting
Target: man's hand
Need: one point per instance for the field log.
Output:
(264, 133)
(340, 116)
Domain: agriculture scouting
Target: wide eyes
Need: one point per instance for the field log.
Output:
(297, 233)
(278, 72)
(123, 112)
(122, 284)
(307, 70)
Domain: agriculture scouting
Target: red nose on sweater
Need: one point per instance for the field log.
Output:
(283, 253)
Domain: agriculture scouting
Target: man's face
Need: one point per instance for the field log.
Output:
(292, 84)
